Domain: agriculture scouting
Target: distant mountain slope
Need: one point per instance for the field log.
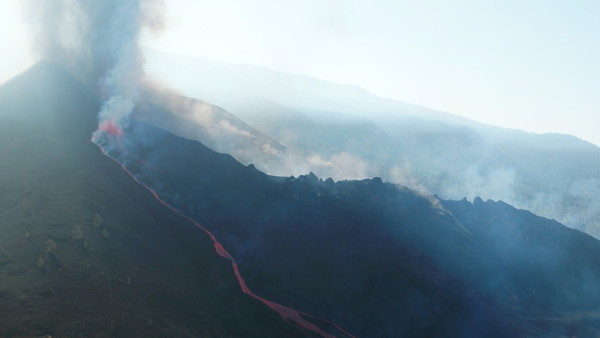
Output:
(346, 132)
(226, 84)
(87, 252)
(213, 126)
(381, 260)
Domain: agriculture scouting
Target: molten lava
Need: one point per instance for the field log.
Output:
(109, 127)
(285, 312)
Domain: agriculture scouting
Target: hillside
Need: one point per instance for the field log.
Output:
(379, 259)
(87, 252)
(346, 132)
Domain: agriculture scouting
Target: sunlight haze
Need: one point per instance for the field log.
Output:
(530, 65)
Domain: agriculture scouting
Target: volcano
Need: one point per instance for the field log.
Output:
(85, 250)
(147, 233)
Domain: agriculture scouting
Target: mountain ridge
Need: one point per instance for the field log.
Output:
(554, 175)
(435, 114)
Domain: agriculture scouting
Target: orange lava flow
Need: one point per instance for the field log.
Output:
(109, 127)
(285, 312)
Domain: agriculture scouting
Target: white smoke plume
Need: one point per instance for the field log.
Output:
(97, 42)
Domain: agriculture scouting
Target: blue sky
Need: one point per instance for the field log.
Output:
(525, 64)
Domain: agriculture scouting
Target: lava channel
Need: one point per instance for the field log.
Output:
(285, 312)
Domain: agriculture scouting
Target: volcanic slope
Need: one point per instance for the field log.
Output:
(379, 259)
(84, 250)
(553, 175)
(326, 254)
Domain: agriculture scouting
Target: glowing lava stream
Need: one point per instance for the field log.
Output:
(285, 312)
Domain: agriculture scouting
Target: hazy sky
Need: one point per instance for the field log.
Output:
(532, 65)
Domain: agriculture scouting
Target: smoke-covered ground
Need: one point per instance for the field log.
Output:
(97, 42)
(377, 259)
(380, 258)
(344, 132)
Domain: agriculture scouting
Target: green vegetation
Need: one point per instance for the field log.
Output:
(77, 232)
(50, 246)
(97, 221)
(40, 262)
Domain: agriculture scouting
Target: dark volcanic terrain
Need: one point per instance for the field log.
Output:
(87, 252)
(379, 259)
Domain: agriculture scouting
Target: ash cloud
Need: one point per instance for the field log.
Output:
(97, 42)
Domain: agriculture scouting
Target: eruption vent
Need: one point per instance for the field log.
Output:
(108, 126)
(97, 42)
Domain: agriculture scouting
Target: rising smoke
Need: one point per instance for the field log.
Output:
(97, 42)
